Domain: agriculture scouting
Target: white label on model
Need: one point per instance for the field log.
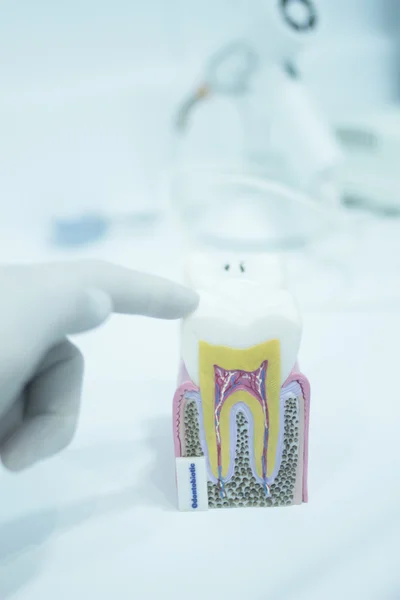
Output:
(191, 477)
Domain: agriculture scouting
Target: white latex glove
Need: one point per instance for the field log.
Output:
(40, 369)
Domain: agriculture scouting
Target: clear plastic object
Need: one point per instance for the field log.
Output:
(334, 261)
(241, 209)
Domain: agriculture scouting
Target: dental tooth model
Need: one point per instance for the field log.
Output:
(241, 411)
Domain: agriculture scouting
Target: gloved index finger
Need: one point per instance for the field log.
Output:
(134, 292)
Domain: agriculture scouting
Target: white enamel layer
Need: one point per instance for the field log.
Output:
(240, 306)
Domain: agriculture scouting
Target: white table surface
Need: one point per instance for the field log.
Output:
(100, 520)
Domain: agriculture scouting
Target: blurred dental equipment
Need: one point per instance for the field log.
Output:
(283, 127)
(228, 72)
(370, 175)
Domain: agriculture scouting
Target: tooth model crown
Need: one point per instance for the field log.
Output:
(242, 403)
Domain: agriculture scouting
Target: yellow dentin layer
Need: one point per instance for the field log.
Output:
(235, 359)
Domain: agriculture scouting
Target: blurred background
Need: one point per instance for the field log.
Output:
(120, 120)
(111, 112)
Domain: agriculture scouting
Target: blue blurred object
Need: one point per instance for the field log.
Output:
(92, 227)
(80, 230)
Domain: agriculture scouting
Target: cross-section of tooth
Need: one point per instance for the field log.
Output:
(229, 376)
(241, 314)
(239, 349)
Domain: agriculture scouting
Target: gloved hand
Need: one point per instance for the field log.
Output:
(40, 369)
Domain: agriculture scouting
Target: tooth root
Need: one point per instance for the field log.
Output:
(217, 430)
(258, 430)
